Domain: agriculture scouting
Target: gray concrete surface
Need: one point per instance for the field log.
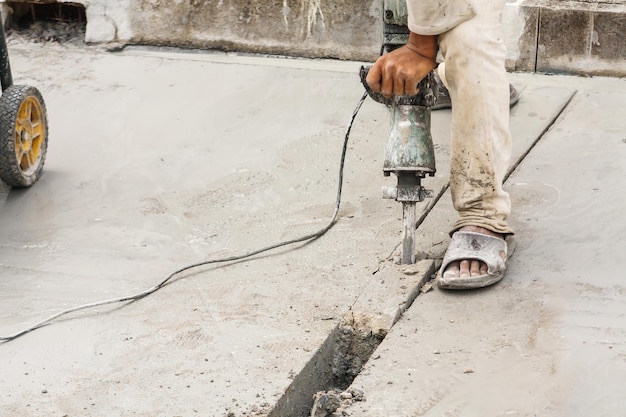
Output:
(160, 158)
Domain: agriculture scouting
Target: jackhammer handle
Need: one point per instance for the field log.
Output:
(426, 95)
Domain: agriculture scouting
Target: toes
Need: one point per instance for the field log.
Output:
(464, 269)
(475, 267)
(452, 270)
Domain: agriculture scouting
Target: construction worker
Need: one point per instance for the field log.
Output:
(467, 32)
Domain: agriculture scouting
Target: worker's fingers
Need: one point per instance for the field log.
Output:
(398, 86)
(410, 88)
(396, 74)
(386, 86)
(373, 78)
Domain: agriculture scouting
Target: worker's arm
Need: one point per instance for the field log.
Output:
(399, 72)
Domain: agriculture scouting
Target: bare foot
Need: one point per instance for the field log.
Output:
(470, 267)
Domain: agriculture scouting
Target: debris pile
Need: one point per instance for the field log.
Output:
(332, 403)
(44, 31)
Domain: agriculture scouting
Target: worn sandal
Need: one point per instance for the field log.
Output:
(485, 248)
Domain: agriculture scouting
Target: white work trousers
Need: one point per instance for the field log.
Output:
(474, 72)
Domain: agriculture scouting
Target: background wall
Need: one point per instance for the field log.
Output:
(581, 37)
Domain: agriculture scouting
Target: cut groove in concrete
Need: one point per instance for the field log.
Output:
(517, 161)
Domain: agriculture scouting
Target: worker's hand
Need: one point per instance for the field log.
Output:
(398, 72)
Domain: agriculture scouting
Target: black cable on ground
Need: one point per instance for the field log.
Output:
(160, 285)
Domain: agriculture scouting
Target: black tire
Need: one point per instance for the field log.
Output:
(23, 135)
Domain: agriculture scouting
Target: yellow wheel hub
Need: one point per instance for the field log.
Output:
(30, 132)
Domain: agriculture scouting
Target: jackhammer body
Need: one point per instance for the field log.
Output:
(409, 154)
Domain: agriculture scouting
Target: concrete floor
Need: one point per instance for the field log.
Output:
(162, 158)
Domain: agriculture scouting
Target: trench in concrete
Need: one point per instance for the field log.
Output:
(50, 21)
(323, 386)
(330, 371)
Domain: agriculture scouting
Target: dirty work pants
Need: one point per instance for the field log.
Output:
(474, 72)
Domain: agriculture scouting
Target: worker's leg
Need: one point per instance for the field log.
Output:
(475, 74)
(481, 143)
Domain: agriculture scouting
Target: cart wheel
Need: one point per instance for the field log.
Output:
(23, 135)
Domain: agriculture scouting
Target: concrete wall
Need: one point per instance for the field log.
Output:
(582, 37)
(345, 29)
(562, 36)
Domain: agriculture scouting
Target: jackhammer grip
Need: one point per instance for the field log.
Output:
(425, 97)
